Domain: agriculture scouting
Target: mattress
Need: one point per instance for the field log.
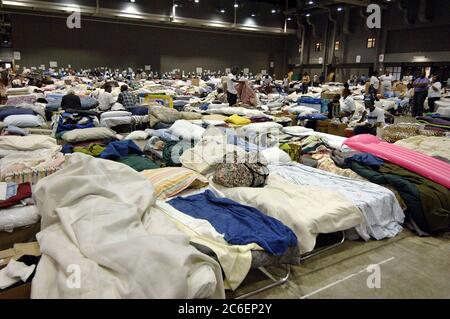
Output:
(429, 167)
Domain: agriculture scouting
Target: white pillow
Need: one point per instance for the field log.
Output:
(24, 120)
(186, 130)
(137, 135)
(117, 107)
(262, 127)
(87, 134)
(296, 130)
(275, 156)
(114, 114)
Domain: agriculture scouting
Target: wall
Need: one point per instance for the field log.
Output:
(101, 44)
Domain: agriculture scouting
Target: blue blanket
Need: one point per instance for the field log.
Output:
(240, 224)
(116, 150)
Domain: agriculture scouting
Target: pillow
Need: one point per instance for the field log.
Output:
(14, 130)
(191, 116)
(170, 181)
(18, 91)
(187, 130)
(87, 134)
(114, 114)
(275, 156)
(137, 135)
(15, 111)
(117, 107)
(262, 127)
(115, 121)
(25, 120)
(165, 114)
(296, 130)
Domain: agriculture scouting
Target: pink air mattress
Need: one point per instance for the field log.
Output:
(427, 166)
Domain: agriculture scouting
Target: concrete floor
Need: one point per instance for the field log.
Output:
(409, 267)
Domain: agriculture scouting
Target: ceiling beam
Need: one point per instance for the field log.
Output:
(364, 3)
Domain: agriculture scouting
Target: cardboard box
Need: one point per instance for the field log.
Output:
(337, 129)
(19, 235)
(195, 81)
(322, 126)
(329, 96)
(19, 292)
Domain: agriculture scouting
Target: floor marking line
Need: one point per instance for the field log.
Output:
(343, 279)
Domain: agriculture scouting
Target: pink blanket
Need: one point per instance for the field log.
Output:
(427, 166)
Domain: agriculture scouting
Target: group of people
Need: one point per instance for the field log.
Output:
(417, 90)
(105, 99)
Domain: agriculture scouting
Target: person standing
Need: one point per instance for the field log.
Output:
(386, 83)
(305, 82)
(434, 93)
(232, 94)
(420, 94)
(322, 78)
(286, 84)
(316, 80)
(375, 82)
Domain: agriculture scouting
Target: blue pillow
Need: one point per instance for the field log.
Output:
(16, 130)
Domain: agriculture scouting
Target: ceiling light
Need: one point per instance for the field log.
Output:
(340, 9)
(133, 1)
(308, 14)
(310, 2)
(273, 11)
(222, 10)
(197, 1)
(253, 15)
(289, 18)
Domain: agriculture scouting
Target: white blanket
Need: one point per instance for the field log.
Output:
(307, 210)
(94, 244)
(27, 143)
(382, 213)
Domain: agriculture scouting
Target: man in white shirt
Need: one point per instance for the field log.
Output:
(348, 106)
(106, 99)
(386, 82)
(434, 93)
(375, 82)
(232, 95)
(373, 117)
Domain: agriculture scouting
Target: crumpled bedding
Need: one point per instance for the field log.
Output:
(92, 224)
(431, 146)
(208, 153)
(382, 213)
(27, 143)
(429, 167)
(242, 111)
(307, 210)
(187, 131)
(17, 216)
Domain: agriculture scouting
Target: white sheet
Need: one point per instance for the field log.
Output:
(382, 213)
(307, 210)
(92, 223)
